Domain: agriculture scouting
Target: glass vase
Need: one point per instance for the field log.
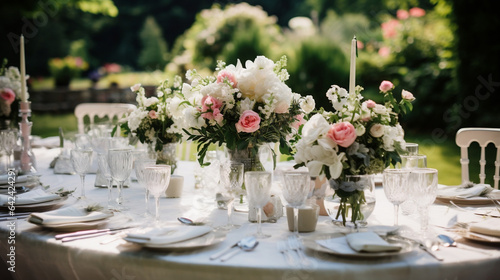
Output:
(167, 155)
(351, 200)
(250, 157)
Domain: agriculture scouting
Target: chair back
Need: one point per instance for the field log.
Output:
(483, 136)
(101, 110)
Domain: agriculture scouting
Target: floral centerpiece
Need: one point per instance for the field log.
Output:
(243, 107)
(10, 91)
(359, 137)
(153, 120)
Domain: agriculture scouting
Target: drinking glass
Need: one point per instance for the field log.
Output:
(8, 138)
(412, 149)
(258, 185)
(139, 165)
(396, 187)
(413, 161)
(120, 162)
(424, 182)
(102, 161)
(157, 178)
(81, 160)
(296, 187)
(231, 178)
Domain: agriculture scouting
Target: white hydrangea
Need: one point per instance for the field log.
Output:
(338, 96)
(135, 118)
(246, 104)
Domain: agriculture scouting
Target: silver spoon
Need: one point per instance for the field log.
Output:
(246, 244)
(189, 222)
(448, 241)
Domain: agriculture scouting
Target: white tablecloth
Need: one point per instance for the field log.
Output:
(40, 256)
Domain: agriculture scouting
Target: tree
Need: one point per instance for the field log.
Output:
(154, 48)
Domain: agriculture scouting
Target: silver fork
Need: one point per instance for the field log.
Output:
(283, 249)
(296, 245)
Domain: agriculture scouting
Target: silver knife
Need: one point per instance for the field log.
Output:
(73, 238)
(219, 254)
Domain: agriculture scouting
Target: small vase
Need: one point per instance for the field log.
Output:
(353, 200)
(167, 155)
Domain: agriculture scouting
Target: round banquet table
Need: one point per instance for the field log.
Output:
(39, 256)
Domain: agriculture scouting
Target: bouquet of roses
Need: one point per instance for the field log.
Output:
(243, 107)
(10, 90)
(359, 137)
(153, 120)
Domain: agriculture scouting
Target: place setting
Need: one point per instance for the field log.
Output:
(35, 200)
(468, 194)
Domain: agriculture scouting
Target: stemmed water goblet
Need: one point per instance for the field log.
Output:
(8, 141)
(258, 185)
(296, 187)
(120, 162)
(231, 175)
(139, 166)
(424, 182)
(157, 178)
(81, 160)
(102, 161)
(396, 188)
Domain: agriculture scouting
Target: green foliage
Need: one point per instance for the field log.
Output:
(154, 48)
(318, 64)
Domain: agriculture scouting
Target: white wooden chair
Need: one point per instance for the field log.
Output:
(483, 136)
(100, 110)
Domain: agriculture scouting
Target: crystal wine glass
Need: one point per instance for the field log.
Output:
(9, 138)
(258, 185)
(231, 175)
(296, 187)
(81, 160)
(424, 182)
(102, 161)
(396, 188)
(157, 179)
(139, 166)
(120, 162)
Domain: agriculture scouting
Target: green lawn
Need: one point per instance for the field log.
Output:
(443, 156)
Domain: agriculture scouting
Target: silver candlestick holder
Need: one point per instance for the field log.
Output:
(27, 159)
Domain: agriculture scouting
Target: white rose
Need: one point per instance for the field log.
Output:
(307, 104)
(360, 129)
(407, 95)
(377, 130)
(314, 128)
(380, 109)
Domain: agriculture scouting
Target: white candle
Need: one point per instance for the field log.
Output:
(352, 75)
(24, 96)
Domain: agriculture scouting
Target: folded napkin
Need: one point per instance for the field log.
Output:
(465, 192)
(170, 234)
(359, 242)
(4, 179)
(488, 227)
(67, 215)
(32, 197)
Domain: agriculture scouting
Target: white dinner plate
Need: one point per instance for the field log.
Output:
(466, 201)
(208, 239)
(38, 207)
(310, 243)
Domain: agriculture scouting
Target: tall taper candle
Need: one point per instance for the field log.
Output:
(24, 96)
(352, 75)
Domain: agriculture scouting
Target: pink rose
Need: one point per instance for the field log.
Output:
(7, 95)
(210, 108)
(370, 104)
(417, 12)
(152, 114)
(385, 86)
(227, 76)
(249, 122)
(342, 133)
(299, 120)
(407, 95)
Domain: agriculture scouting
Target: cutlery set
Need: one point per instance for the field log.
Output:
(83, 234)
(246, 244)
